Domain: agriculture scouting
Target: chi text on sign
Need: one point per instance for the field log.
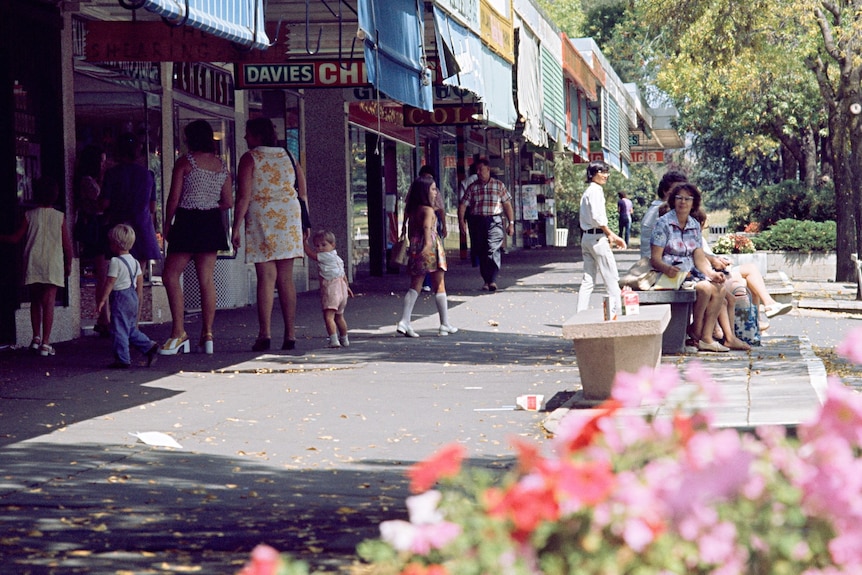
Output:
(316, 74)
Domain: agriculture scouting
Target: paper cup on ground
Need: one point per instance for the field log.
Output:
(530, 402)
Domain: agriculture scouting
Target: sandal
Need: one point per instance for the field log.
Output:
(205, 345)
(175, 345)
(45, 350)
(35, 343)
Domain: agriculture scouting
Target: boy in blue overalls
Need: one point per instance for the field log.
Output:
(124, 277)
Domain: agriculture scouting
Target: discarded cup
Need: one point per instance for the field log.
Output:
(531, 402)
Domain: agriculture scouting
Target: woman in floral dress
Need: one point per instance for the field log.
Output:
(272, 201)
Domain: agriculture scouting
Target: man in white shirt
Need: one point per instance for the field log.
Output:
(598, 239)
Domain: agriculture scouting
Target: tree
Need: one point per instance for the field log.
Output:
(737, 67)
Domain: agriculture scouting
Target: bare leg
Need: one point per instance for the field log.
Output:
(756, 285)
(266, 273)
(286, 297)
(205, 266)
(49, 294)
(725, 321)
(713, 308)
(175, 264)
(341, 324)
(329, 320)
(695, 330)
(36, 310)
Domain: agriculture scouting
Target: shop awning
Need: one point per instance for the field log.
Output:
(394, 54)
(241, 21)
(530, 88)
(480, 70)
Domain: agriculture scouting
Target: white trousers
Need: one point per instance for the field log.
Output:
(599, 259)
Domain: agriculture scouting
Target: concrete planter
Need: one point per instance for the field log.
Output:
(803, 266)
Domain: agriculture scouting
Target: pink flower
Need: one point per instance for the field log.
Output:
(840, 416)
(851, 346)
(649, 386)
(264, 561)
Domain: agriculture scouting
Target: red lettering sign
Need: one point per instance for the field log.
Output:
(445, 115)
(312, 74)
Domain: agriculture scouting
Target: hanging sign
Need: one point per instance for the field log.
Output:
(445, 115)
(312, 74)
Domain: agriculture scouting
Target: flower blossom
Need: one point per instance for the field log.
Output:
(851, 346)
(444, 463)
(426, 529)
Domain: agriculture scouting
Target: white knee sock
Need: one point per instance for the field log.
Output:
(409, 301)
(442, 307)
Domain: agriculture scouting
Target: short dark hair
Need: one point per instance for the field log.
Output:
(199, 135)
(426, 170)
(688, 187)
(128, 146)
(667, 181)
(46, 190)
(596, 167)
(263, 129)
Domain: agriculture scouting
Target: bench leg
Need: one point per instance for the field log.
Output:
(600, 359)
(673, 341)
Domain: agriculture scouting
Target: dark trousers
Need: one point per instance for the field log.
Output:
(489, 239)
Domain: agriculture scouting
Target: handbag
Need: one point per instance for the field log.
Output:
(746, 325)
(399, 255)
(640, 277)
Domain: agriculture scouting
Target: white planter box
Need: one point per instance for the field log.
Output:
(807, 266)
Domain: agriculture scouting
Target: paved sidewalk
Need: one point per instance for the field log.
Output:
(306, 449)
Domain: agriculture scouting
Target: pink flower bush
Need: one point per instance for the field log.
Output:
(617, 491)
(620, 492)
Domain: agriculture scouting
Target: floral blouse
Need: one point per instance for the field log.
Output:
(678, 243)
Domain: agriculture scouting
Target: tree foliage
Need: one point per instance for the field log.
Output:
(743, 71)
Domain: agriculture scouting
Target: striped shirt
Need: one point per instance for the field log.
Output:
(486, 199)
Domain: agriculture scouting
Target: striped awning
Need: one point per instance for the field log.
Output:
(241, 21)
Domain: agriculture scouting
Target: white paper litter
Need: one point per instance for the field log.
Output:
(157, 439)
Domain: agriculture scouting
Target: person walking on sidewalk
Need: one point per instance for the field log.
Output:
(272, 201)
(47, 259)
(334, 289)
(201, 189)
(427, 255)
(124, 281)
(488, 201)
(597, 240)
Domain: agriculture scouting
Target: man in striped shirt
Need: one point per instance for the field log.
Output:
(489, 201)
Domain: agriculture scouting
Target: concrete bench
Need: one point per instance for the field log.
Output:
(626, 344)
(681, 302)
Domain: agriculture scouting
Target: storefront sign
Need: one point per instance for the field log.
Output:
(204, 81)
(497, 31)
(384, 117)
(443, 115)
(156, 42)
(316, 74)
(653, 157)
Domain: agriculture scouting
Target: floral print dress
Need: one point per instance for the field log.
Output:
(273, 223)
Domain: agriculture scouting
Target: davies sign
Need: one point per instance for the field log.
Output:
(316, 74)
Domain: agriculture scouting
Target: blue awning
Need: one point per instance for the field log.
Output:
(394, 54)
(240, 21)
(480, 70)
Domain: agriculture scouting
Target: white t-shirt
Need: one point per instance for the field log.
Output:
(647, 226)
(116, 269)
(329, 265)
(593, 213)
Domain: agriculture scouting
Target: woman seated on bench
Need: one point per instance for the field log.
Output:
(677, 247)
